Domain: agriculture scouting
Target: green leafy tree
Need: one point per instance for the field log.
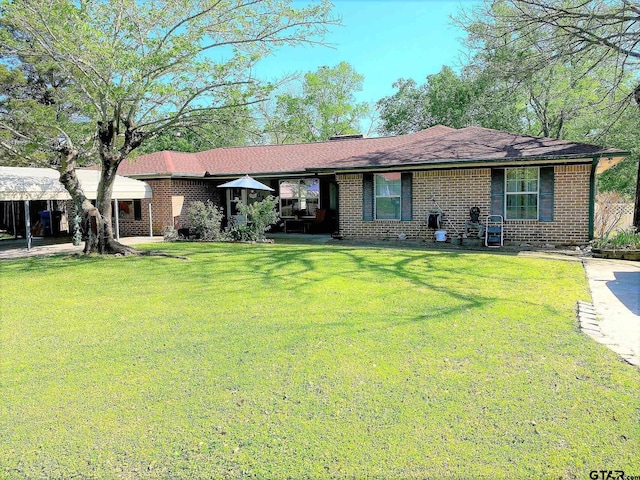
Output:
(449, 98)
(554, 93)
(230, 127)
(471, 98)
(406, 111)
(130, 71)
(325, 106)
(623, 134)
(572, 36)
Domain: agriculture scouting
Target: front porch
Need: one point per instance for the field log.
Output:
(306, 205)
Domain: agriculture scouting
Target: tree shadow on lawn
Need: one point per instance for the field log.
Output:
(444, 274)
(428, 272)
(39, 265)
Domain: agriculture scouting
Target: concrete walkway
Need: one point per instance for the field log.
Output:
(44, 247)
(615, 290)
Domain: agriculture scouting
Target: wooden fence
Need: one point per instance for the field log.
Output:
(623, 210)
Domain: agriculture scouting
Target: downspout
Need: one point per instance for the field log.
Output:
(592, 194)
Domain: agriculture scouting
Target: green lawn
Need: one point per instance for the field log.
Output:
(276, 361)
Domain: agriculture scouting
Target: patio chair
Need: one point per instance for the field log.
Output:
(317, 224)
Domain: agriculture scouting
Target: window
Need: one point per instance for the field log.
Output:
(137, 209)
(388, 189)
(387, 196)
(130, 209)
(521, 193)
(125, 209)
(299, 197)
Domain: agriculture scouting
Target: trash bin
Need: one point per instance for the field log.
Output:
(441, 235)
(45, 221)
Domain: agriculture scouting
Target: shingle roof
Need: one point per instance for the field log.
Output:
(268, 158)
(473, 144)
(435, 145)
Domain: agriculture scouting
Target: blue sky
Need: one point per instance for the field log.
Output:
(383, 40)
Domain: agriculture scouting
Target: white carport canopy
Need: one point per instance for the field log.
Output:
(19, 183)
(25, 184)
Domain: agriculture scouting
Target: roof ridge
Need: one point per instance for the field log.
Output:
(166, 155)
(528, 135)
(322, 142)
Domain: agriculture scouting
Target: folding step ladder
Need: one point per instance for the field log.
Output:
(494, 231)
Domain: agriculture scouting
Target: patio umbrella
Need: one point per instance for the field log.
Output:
(246, 182)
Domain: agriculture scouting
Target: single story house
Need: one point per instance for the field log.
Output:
(383, 187)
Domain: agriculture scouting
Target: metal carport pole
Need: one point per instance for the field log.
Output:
(115, 206)
(27, 223)
(150, 222)
(13, 216)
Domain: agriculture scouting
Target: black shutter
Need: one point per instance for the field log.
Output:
(367, 197)
(497, 191)
(545, 212)
(406, 203)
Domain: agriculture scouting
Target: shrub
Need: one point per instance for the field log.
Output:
(170, 234)
(242, 233)
(260, 216)
(205, 220)
(623, 240)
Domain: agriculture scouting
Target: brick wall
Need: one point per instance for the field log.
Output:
(193, 191)
(570, 223)
(456, 191)
(160, 210)
(161, 206)
(129, 227)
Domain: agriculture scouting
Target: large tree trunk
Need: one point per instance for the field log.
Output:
(69, 179)
(636, 211)
(103, 242)
(96, 219)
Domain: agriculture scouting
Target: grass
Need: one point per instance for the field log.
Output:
(292, 361)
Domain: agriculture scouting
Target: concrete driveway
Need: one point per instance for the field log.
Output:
(615, 290)
(43, 247)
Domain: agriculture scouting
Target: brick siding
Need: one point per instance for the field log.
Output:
(161, 209)
(456, 191)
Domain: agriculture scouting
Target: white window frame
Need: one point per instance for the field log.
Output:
(507, 193)
(376, 196)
